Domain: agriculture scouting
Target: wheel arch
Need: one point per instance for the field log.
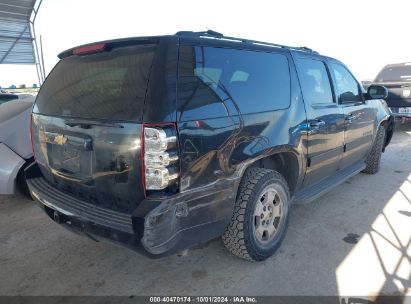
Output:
(388, 123)
(285, 161)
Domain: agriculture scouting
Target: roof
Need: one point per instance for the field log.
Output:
(220, 37)
(16, 39)
(207, 37)
(392, 65)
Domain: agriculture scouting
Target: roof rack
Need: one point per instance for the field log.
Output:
(216, 35)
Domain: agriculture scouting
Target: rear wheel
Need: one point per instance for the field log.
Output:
(260, 218)
(373, 159)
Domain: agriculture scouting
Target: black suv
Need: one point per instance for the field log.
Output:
(397, 79)
(161, 143)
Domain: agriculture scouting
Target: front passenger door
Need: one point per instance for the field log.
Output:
(358, 116)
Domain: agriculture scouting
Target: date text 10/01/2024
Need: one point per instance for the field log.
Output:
(240, 299)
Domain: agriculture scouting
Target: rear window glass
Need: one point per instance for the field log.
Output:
(395, 74)
(215, 82)
(108, 85)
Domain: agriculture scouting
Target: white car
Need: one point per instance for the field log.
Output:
(15, 146)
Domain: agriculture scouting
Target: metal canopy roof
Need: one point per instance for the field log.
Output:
(16, 38)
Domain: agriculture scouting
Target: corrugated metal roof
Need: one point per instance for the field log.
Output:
(16, 41)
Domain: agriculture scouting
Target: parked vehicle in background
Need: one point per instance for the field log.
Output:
(397, 79)
(366, 83)
(15, 147)
(161, 143)
(5, 97)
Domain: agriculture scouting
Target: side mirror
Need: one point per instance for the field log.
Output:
(377, 92)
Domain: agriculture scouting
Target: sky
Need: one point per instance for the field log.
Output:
(365, 34)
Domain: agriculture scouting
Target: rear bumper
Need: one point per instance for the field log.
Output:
(158, 227)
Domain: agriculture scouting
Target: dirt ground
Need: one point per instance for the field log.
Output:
(354, 241)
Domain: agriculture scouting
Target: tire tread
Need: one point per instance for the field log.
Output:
(234, 235)
(374, 157)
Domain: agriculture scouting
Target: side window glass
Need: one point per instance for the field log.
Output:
(347, 87)
(208, 75)
(216, 82)
(198, 95)
(314, 80)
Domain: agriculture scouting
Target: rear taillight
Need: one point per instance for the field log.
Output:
(31, 134)
(160, 156)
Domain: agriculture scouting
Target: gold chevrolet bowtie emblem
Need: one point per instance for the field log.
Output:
(60, 139)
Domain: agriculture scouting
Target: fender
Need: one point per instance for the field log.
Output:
(383, 117)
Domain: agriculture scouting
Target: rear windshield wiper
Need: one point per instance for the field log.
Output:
(86, 124)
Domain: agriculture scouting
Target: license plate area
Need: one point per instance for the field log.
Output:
(70, 155)
(70, 160)
(404, 110)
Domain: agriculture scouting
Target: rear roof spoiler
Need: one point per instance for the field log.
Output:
(109, 44)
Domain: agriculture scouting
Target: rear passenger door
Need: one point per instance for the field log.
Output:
(325, 120)
(358, 116)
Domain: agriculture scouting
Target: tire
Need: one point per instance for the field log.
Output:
(373, 159)
(244, 237)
